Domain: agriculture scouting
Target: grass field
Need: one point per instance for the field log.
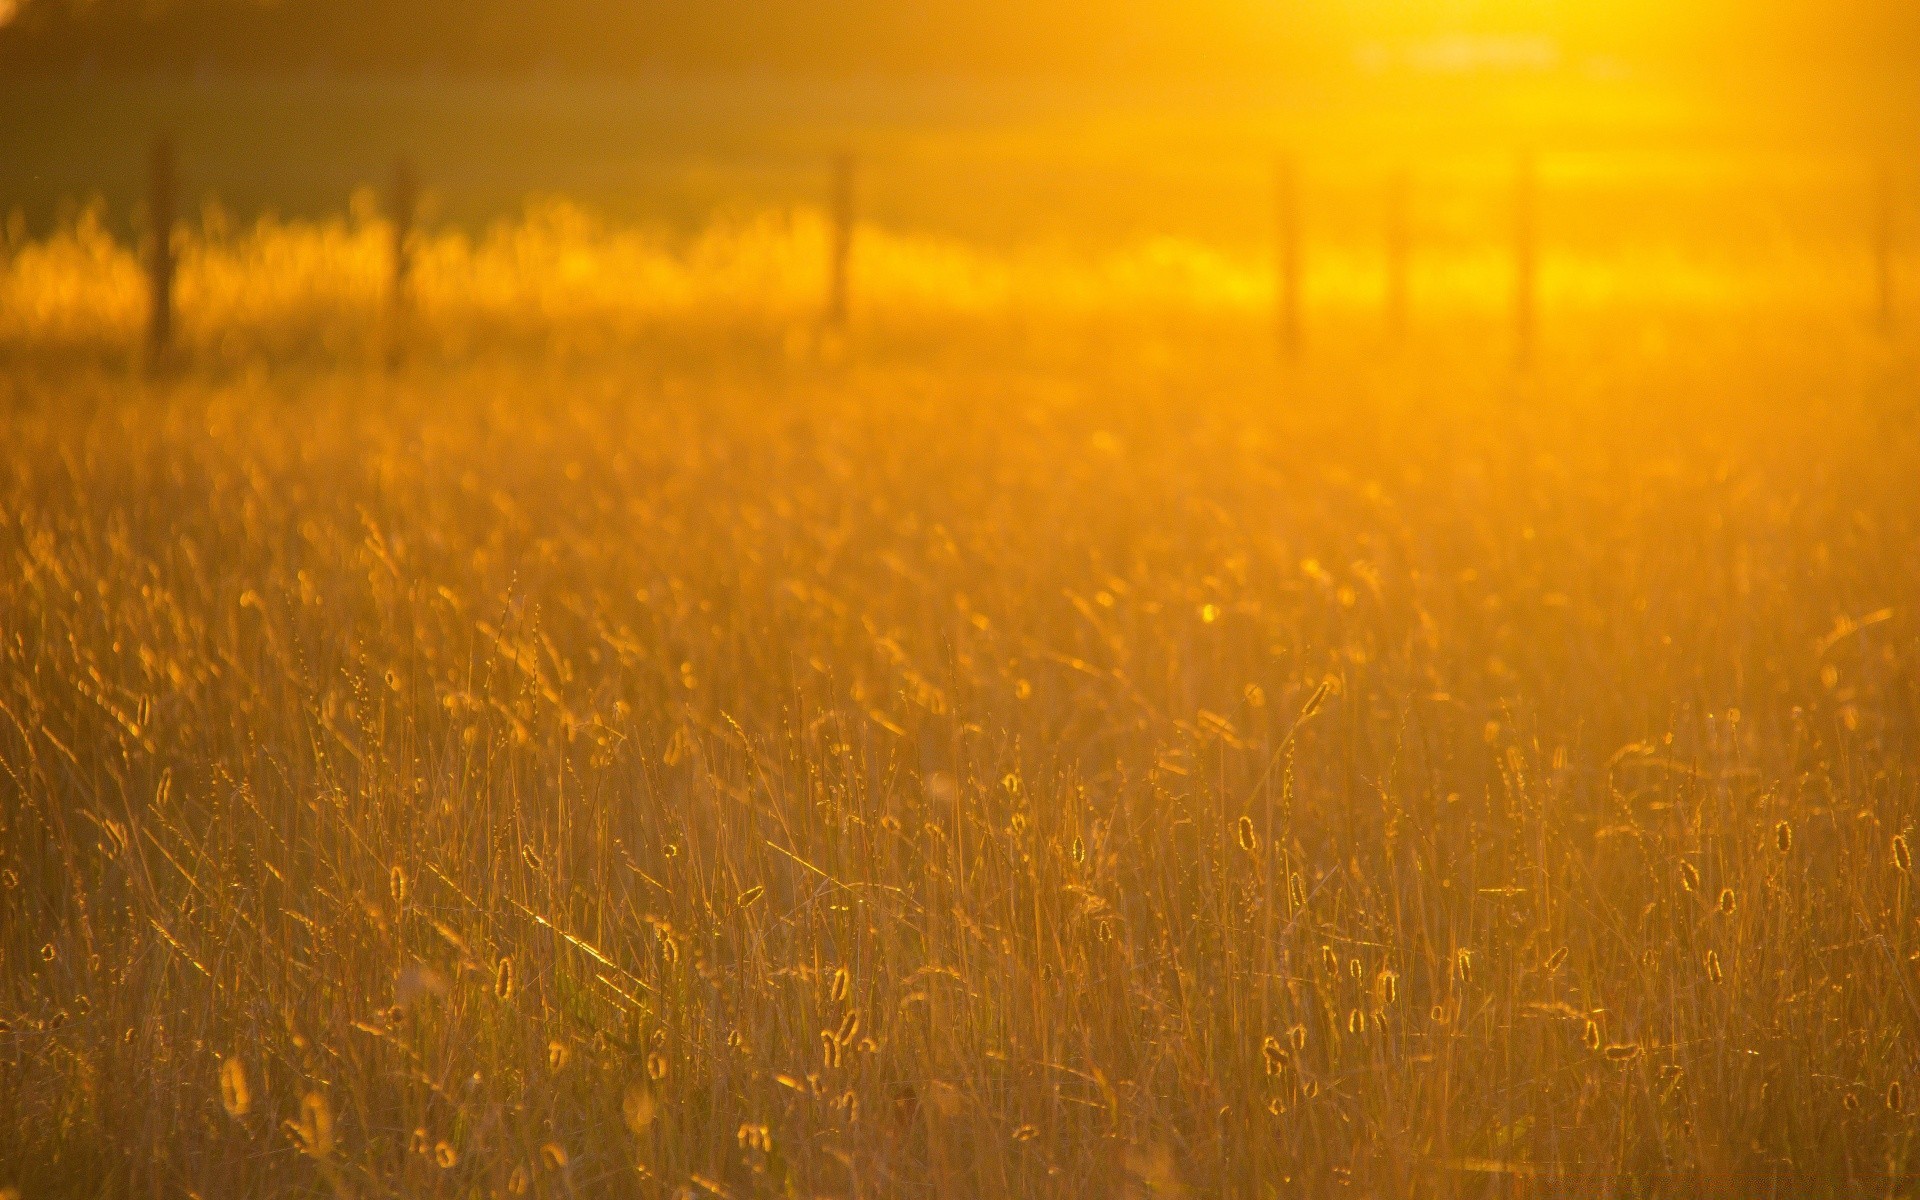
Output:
(1032, 744)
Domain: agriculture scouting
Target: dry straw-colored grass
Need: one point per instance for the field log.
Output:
(560, 282)
(1045, 768)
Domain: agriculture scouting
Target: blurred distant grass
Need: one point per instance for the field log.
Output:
(561, 281)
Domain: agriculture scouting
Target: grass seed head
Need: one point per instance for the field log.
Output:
(1275, 1057)
(234, 1094)
(314, 1130)
(1318, 698)
(754, 1137)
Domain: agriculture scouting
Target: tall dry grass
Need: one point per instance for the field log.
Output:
(559, 281)
(1043, 766)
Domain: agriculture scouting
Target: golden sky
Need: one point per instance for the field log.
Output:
(877, 36)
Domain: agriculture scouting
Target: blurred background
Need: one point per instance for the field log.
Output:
(1704, 153)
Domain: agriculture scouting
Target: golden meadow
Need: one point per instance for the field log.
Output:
(1034, 743)
(1732, 234)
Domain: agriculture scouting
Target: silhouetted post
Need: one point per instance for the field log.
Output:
(1525, 259)
(1398, 240)
(841, 249)
(160, 264)
(402, 202)
(1883, 246)
(1287, 230)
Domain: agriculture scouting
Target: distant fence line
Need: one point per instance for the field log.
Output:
(401, 205)
(160, 262)
(402, 202)
(401, 208)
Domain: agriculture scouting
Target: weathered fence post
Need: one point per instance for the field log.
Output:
(1883, 246)
(402, 201)
(160, 262)
(1525, 259)
(1287, 232)
(839, 304)
(1398, 240)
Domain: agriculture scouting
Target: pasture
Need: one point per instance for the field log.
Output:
(1037, 740)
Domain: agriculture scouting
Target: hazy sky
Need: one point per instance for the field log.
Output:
(879, 36)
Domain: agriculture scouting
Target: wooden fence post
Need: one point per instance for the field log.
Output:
(402, 201)
(1398, 246)
(839, 305)
(1525, 259)
(1287, 232)
(1883, 246)
(160, 262)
